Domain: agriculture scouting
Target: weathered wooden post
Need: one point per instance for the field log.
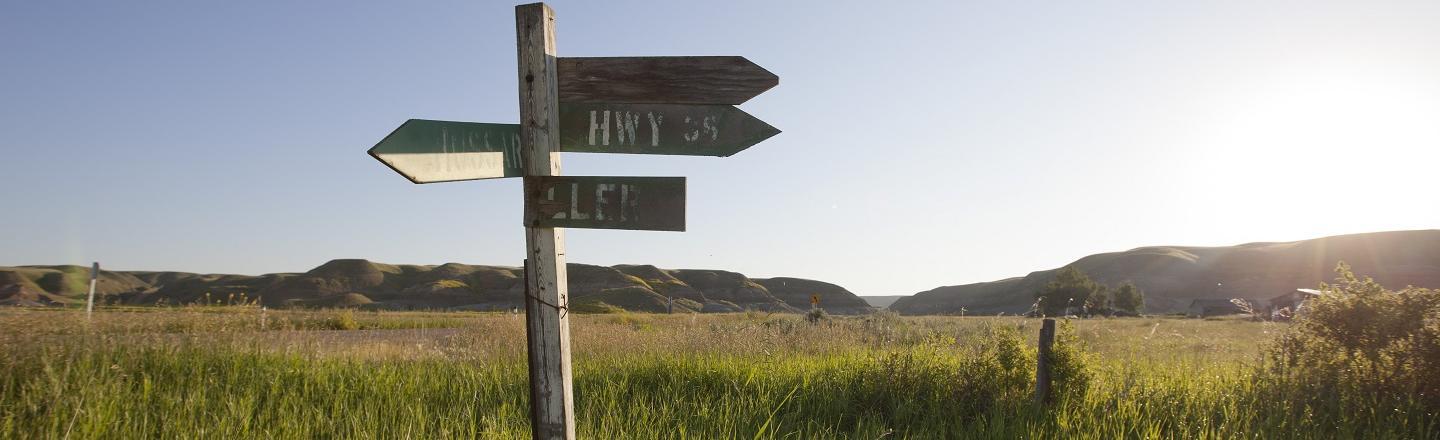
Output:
(1042, 369)
(547, 323)
(90, 303)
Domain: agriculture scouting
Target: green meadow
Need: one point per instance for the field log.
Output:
(238, 372)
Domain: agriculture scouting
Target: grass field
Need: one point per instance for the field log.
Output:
(229, 372)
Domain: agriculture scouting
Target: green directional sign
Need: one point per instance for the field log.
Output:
(426, 151)
(690, 130)
(642, 203)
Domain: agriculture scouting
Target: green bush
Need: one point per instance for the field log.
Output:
(910, 387)
(1129, 300)
(344, 320)
(1071, 364)
(1359, 342)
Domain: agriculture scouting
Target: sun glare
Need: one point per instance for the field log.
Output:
(1302, 146)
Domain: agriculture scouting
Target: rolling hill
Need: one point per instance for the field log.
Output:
(369, 285)
(1173, 276)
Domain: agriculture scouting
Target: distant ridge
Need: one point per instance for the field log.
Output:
(369, 285)
(1173, 276)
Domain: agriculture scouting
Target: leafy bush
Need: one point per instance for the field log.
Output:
(1360, 342)
(344, 320)
(1129, 299)
(1071, 364)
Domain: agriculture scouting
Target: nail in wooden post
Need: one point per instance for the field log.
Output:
(1042, 370)
(547, 324)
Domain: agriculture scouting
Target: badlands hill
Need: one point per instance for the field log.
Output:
(369, 285)
(1173, 276)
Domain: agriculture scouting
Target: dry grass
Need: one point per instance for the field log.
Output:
(228, 370)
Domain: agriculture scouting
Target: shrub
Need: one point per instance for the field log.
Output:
(1363, 342)
(1009, 361)
(344, 320)
(1071, 364)
(1129, 300)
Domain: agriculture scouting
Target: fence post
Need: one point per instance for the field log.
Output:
(1042, 370)
(90, 303)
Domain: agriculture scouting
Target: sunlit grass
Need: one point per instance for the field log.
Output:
(221, 373)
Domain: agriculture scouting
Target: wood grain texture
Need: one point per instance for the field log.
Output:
(663, 80)
(547, 324)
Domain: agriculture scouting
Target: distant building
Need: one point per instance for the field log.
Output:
(1288, 305)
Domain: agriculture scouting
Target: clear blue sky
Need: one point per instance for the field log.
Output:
(924, 144)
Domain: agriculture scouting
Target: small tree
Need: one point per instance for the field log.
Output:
(1129, 299)
(1071, 287)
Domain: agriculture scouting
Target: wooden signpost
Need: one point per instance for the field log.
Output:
(630, 105)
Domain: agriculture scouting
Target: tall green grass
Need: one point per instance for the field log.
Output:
(657, 376)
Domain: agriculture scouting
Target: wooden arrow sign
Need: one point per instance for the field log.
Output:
(662, 80)
(692, 130)
(643, 203)
(427, 151)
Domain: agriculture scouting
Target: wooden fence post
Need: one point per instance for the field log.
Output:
(1042, 370)
(90, 303)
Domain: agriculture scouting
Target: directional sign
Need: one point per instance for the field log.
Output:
(693, 130)
(427, 151)
(662, 80)
(644, 203)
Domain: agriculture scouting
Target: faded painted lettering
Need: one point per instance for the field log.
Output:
(655, 121)
(602, 126)
(625, 124)
(575, 203)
